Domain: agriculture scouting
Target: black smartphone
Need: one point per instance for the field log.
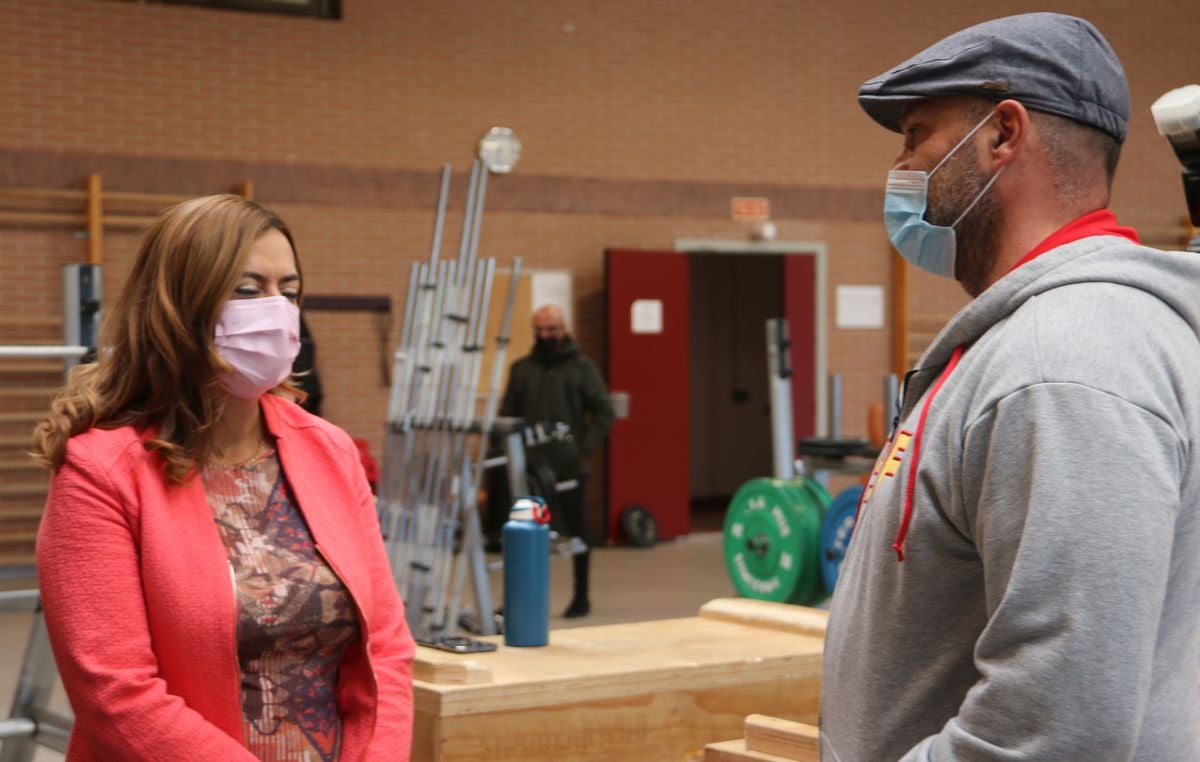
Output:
(458, 645)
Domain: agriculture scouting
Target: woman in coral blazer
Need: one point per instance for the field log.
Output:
(213, 578)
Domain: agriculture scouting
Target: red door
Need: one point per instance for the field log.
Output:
(648, 360)
(800, 309)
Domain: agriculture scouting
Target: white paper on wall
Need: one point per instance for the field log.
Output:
(552, 287)
(647, 316)
(860, 307)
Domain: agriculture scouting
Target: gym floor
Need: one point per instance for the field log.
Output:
(672, 579)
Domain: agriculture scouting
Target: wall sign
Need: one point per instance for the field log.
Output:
(646, 316)
(860, 307)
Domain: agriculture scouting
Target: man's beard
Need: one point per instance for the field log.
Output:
(954, 188)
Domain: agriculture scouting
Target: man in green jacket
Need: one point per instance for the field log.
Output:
(554, 383)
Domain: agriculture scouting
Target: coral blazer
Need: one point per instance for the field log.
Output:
(139, 599)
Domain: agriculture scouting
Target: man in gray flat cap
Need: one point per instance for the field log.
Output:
(1023, 581)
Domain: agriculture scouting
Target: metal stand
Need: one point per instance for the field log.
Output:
(82, 290)
(81, 319)
(30, 722)
(471, 559)
(823, 456)
(437, 438)
(779, 371)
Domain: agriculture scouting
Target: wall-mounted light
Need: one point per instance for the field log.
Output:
(500, 150)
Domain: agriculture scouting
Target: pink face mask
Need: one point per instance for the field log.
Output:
(260, 338)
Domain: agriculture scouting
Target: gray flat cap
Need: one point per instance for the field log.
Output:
(1047, 61)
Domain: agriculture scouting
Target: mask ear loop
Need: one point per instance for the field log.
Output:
(982, 193)
(960, 143)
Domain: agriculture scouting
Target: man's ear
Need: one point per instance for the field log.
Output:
(1011, 135)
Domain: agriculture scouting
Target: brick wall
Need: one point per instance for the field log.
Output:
(679, 101)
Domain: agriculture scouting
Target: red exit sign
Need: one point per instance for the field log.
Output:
(750, 209)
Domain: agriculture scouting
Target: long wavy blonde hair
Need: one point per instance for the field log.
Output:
(157, 367)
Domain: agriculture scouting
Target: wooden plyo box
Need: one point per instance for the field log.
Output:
(642, 691)
(769, 739)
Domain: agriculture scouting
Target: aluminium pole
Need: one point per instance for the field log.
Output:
(397, 442)
(471, 560)
(779, 388)
(466, 491)
(397, 453)
(407, 389)
(501, 355)
(468, 254)
(441, 488)
(426, 534)
(422, 370)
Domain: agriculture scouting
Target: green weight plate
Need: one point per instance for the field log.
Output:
(772, 538)
(819, 499)
(760, 551)
(818, 492)
(809, 509)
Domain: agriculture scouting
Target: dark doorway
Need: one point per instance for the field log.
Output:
(732, 297)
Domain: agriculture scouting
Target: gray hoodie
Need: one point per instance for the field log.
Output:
(1047, 606)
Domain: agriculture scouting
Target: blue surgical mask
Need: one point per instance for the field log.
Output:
(930, 247)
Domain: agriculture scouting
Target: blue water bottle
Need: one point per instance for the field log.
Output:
(527, 573)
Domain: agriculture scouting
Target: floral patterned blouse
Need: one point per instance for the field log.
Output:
(295, 617)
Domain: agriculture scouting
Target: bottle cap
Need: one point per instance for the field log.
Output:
(530, 508)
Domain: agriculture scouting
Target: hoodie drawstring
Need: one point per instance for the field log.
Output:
(898, 545)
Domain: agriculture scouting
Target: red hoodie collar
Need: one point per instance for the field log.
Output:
(1099, 222)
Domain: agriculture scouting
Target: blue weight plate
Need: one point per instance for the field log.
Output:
(835, 533)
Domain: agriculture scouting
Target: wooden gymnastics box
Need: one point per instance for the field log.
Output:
(656, 690)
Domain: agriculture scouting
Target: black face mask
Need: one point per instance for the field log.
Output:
(545, 346)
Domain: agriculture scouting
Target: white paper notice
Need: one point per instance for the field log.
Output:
(646, 316)
(552, 287)
(860, 307)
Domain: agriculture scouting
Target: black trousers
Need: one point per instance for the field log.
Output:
(572, 509)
